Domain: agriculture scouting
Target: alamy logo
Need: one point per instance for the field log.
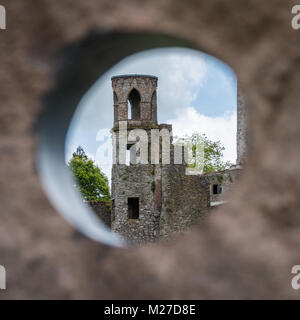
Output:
(296, 19)
(2, 18)
(2, 278)
(138, 142)
(296, 279)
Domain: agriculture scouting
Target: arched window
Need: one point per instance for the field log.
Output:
(134, 111)
(115, 99)
(154, 106)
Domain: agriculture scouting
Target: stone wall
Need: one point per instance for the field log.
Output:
(224, 180)
(103, 211)
(185, 199)
(135, 181)
(170, 201)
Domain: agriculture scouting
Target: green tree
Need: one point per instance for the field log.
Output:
(80, 153)
(213, 152)
(89, 179)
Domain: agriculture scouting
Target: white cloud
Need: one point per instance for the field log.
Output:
(222, 128)
(180, 73)
(179, 76)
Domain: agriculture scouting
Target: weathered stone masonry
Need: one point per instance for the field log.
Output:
(152, 201)
(135, 185)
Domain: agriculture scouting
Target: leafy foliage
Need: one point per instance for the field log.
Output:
(89, 179)
(213, 152)
(80, 153)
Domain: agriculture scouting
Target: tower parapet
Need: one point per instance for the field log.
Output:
(135, 100)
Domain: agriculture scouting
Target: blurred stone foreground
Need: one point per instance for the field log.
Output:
(244, 250)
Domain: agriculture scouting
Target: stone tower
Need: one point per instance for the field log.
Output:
(136, 199)
(242, 130)
(152, 198)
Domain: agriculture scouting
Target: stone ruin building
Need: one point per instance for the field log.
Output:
(155, 201)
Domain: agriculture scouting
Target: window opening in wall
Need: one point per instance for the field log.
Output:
(133, 208)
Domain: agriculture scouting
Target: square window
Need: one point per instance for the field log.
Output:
(217, 189)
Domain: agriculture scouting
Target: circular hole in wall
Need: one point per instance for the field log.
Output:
(151, 148)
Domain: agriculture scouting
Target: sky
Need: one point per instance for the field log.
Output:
(196, 92)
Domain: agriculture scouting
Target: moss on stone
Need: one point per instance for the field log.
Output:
(153, 186)
(220, 178)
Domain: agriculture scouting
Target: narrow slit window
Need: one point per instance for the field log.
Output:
(133, 208)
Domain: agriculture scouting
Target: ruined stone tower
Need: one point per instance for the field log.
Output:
(135, 186)
(151, 198)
